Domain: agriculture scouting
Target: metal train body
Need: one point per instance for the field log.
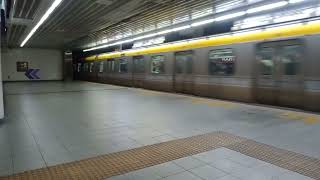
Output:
(278, 71)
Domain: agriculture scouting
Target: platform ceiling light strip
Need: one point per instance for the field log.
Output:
(140, 37)
(295, 1)
(290, 30)
(267, 7)
(195, 24)
(54, 5)
(230, 16)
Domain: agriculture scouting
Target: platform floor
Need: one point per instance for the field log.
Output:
(57, 125)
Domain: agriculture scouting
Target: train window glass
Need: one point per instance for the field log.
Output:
(184, 62)
(123, 66)
(266, 61)
(290, 59)
(111, 66)
(157, 64)
(86, 67)
(116, 67)
(101, 67)
(91, 67)
(79, 67)
(139, 64)
(221, 62)
(179, 65)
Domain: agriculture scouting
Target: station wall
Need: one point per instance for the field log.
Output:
(1, 91)
(48, 63)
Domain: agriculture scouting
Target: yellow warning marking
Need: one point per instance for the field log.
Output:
(214, 103)
(300, 116)
(311, 120)
(150, 93)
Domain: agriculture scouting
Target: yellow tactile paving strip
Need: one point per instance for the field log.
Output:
(105, 166)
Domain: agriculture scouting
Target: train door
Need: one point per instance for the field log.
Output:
(182, 76)
(138, 71)
(91, 72)
(280, 75)
(100, 66)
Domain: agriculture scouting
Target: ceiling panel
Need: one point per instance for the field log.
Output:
(26, 9)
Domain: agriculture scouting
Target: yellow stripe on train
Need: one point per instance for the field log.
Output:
(270, 33)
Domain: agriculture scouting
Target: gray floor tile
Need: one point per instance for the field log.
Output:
(166, 169)
(245, 160)
(27, 163)
(208, 172)
(148, 119)
(189, 163)
(226, 165)
(120, 177)
(164, 138)
(229, 177)
(209, 157)
(144, 174)
(6, 166)
(183, 176)
(293, 176)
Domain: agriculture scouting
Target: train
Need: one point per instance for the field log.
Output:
(276, 66)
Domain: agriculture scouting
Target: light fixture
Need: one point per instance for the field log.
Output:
(291, 18)
(140, 37)
(54, 5)
(200, 23)
(267, 7)
(295, 1)
(230, 16)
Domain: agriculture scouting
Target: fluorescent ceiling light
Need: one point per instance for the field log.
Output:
(295, 1)
(267, 7)
(230, 16)
(54, 5)
(291, 18)
(139, 38)
(200, 23)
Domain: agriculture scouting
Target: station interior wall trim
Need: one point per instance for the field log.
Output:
(293, 30)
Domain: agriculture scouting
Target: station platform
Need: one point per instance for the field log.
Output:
(83, 130)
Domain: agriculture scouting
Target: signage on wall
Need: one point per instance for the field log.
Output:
(22, 66)
(32, 73)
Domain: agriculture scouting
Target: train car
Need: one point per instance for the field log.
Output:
(279, 66)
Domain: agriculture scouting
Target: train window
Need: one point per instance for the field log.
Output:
(110, 65)
(157, 64)
(123, 66)
(79, 67)
(221, 62)
(266, 61)
(290, 59)
(86, 67)
(91, 67)
(184, 62)
(101, 67)
(139, 64)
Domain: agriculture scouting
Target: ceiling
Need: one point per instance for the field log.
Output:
(72, 20)
(79, 24)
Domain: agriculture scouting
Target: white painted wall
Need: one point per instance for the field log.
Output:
(49, 61)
